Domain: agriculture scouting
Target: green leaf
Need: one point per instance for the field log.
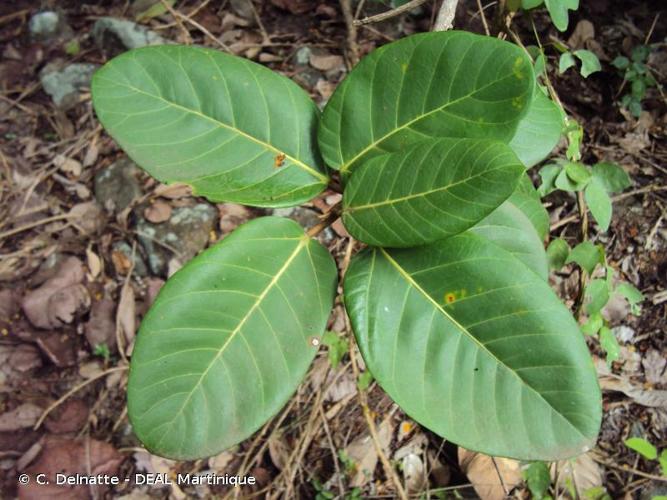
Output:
(599, 202)
(643, 447)
(620, 62)
(589, 62)
(337, 347)
(538, 132)
(230, 128)
(531, 4)
(577, 172)
(611, 176)
(593, 325)
(609, 344)
(229, 338)
(476, 347)
(558, 11)
(509, 228)
(432, 190)
(630, 292)
(640, 53)
(557, 253)
(596, 296)
(527, 199)
(538, 478)
(442, 84)
(549, 174)
(663, 462)
(565, 183)
(565, 62)
(586, 255)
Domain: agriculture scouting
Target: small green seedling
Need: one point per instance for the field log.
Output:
(648, 451)
(638, 75)
(430, 137)
(589, 62)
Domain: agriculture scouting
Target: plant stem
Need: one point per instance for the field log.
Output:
(390, 13)
(329, 218)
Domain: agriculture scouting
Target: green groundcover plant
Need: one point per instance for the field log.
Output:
(431, 137)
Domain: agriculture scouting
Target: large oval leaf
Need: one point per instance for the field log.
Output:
(434, 189)
(228, 339)
(509, 228)
(476, 347)
(538, 132)
(443, 84)
(232, 129)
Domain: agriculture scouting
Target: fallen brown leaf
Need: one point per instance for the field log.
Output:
(67, 456)
(491, 481)
(157, 212)
(21, 417)
(362, 452)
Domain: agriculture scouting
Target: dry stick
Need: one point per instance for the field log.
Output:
(119, 328)
(265, 35)
(46, 220)
(445, 19)
(74, 390)
(334, 457)
(390, 13)
(625, 468)
(350, 23)
(481, 11)
(177, 19)
(203, 30)
(189, 14)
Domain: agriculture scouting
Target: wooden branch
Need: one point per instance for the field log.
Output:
(390, 13)
(445, 19)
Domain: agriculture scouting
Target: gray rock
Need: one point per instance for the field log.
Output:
(117, 185)
(64, 85)
(117, 35)
(182, 237)
(308, 77)
(48, 25)
(302, 56)
(123, 247)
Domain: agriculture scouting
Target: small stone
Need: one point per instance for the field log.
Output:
(117, 186)
(302, 56)
(117, 35)
(65, 85)
(48, 25)
(184, 235)
(307, 219)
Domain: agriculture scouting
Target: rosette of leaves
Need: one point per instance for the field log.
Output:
(449, 302)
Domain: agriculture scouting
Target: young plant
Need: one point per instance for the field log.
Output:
(449, 302)
(648, 451)
(638, 75)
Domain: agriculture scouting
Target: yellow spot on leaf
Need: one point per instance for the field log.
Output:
(404, 67)
(450, 298)
(517, 69)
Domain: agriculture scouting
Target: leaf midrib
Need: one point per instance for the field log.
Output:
(464, 331)
(346, 166)
(401, 199)
(266, 145)
(303, 242)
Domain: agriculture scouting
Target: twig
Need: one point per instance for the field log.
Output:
(445, 19)
(390, 13)
(628, 469)
(177, 19)
(350, 23)
(334, 457)
(481, 12)
(329, 218)
(31, 225)
(76, 389)
(265, 35)
(203, 30)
